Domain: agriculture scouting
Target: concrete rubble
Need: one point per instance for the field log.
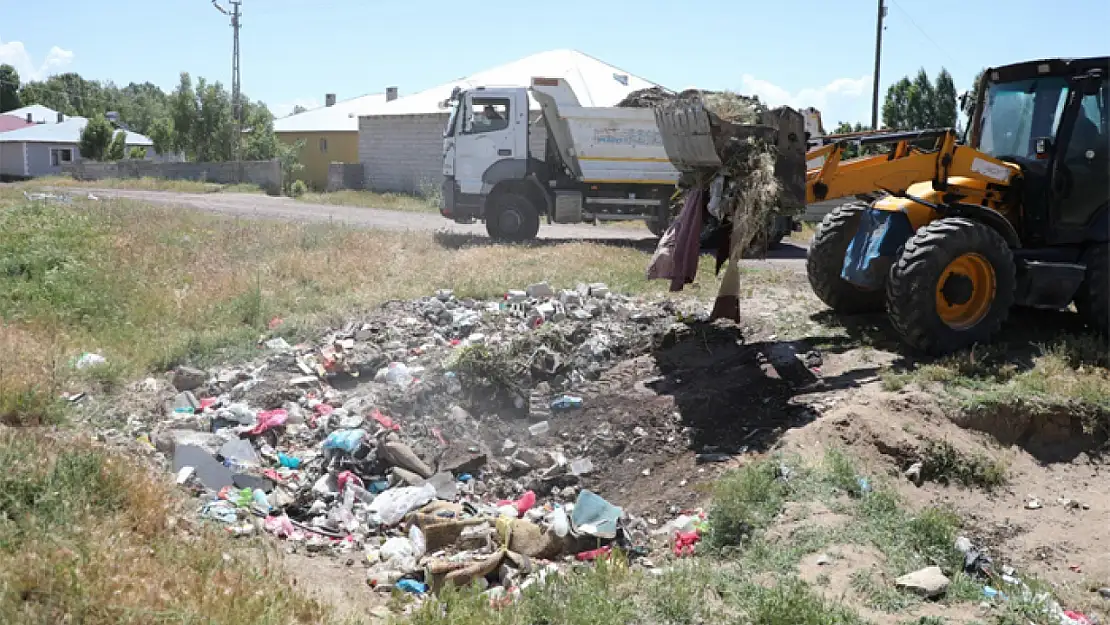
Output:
(418, 440)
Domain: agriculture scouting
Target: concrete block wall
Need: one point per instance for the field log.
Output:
(345, 176)
(265, 174)
(404, 153)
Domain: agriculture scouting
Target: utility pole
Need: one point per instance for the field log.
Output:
(236, 104)
(878, 57)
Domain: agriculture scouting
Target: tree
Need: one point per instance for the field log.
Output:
(920, 104)
(260, 142)
(298, 109)
(95, 138)
(9, 88)
(162, 134)
(117, 149)
(896, 104)
(183, 112)
(946, 111)
(853, 150)
(290, 157)
(137, 153)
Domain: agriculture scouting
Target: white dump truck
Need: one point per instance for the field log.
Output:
(595, 163)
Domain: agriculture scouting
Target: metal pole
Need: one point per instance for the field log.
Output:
(236, 105)
(878, 56)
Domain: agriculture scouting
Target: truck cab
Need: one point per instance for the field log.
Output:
(512, 166)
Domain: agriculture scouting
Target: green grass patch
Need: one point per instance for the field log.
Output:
(941, 462)
(85, 538)
(1069, 375)
(409, 203)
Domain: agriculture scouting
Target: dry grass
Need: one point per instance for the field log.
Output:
(89, 537)
(151, 287)
(144, 184)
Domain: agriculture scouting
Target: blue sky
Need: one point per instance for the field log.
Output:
(796, 52)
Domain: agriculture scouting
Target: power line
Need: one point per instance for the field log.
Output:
(922, 31)
(236, 105)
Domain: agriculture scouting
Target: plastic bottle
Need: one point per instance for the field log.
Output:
(566, 402)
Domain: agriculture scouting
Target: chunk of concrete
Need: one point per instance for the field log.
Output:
(188, 378)
(929, 582)
(446, 486)
(540, 290)
(209, 471)
(167, 441)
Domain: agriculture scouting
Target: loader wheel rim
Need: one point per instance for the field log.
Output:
(965, 291)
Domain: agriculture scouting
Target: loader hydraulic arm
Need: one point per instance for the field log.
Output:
(829, 177)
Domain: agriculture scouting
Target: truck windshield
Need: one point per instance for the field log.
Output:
(449, 130)
(1017, 113)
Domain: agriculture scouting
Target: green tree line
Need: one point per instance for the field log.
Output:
(195, 119)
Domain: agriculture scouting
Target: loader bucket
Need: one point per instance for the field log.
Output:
(687, 135)
(694, 140)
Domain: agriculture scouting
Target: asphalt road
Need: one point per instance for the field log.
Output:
(249, 205)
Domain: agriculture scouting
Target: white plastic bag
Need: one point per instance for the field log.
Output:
(391, 506)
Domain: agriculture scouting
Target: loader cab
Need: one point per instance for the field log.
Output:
(1050, 118)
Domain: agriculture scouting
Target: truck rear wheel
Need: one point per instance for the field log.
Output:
(1093, 299)
(825, 260)
(512, 218)
(952, 287)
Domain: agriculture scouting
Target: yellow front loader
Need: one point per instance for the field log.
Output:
(961, 232)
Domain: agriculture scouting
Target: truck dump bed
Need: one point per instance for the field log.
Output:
(610, 145)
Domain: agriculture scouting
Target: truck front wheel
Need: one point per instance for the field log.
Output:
(511, 218)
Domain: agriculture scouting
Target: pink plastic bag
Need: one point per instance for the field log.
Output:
(280, 526)
(268, 420)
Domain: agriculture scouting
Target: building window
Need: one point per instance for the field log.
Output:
(323, 146)
(60, 156)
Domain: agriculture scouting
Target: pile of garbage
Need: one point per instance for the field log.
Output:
(418, 438)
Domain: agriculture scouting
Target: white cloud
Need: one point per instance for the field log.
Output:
(14, 53)
(286, 108)
(844, 99)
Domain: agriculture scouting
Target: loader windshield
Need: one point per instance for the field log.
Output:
(1017, 113)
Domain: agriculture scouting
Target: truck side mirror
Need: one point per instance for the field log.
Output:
(1042, 147)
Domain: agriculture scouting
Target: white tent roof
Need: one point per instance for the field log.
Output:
(594, 82)
(340, 116)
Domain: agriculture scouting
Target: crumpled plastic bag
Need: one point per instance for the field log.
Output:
(390, 507)
(267, 421)
(347, 441)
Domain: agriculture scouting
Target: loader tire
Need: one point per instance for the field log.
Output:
(825, 260)
(952, 287)
(1093, 299)
(512, 218)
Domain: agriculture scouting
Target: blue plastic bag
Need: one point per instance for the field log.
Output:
(345, 440)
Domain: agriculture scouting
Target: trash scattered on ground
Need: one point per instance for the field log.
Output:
(424, 439)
